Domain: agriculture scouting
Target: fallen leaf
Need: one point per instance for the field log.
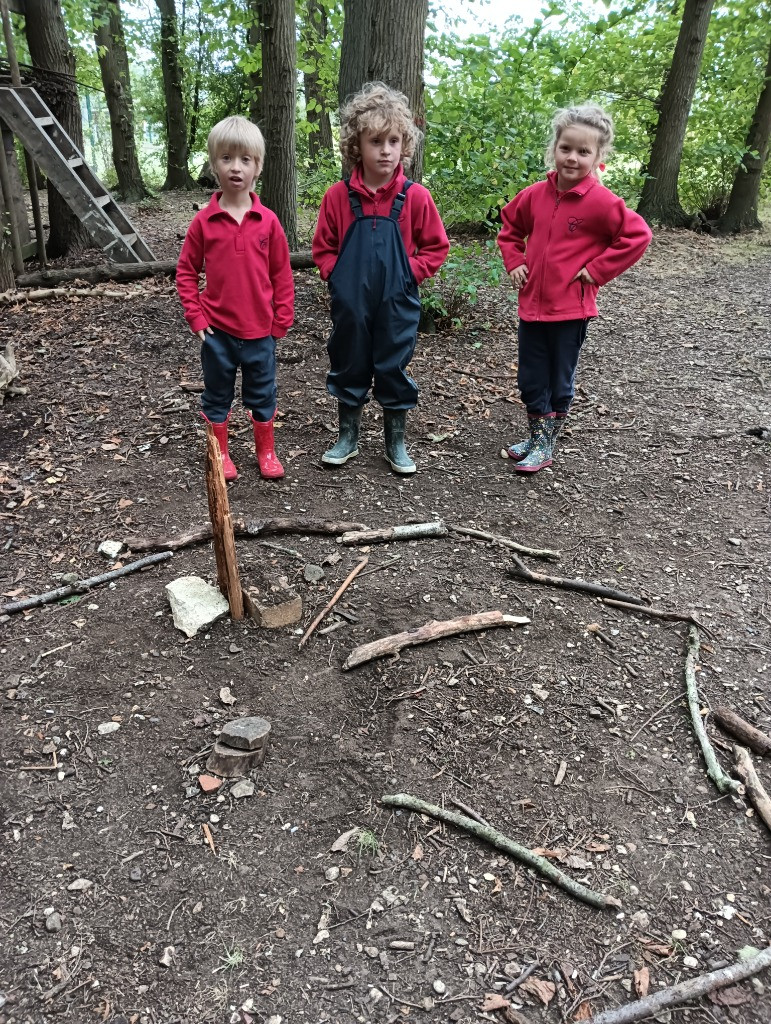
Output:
(580, 863)
(584, 1011)
(417, 853)
(642, 980)
(80, 885)
(560, 853)
(125, 502)
(733, 996)
(597, 847)
(494, 1001)
(340, 844)
(543, 990)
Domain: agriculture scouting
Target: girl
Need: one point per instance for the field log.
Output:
(561, 239)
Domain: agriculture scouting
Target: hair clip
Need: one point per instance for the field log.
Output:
(600, 167)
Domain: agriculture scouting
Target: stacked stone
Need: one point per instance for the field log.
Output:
(241, 746)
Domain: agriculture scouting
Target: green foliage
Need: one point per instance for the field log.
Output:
(450, 296)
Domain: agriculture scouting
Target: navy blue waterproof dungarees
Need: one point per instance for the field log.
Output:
(375, 312)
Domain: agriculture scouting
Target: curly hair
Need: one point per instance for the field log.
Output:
(587, 116)
(236, 133)
(376, 107)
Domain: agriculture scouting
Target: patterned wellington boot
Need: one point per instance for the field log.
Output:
(522, 448)
(394, 426)
(539, 456)
(347, 444)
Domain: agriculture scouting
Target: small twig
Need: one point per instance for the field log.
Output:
(502, 842)
(82, 586)
(714, 771)
(209, 838)
(171, 915)
(660, 613)
(759, 798)
(655, 714)
(520, 569)
(331, 603)
(505, 542)
(469, 811)
(694, 988)
(522, 977)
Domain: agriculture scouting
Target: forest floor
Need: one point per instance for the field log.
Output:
(130, 895)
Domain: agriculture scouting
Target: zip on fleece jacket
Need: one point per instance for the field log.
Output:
(249, 289)
(420, 225)
(555, 234)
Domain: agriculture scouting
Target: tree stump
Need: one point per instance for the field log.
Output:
(228, 578)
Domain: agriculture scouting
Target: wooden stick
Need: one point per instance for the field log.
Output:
(331, 604)
(685, 992)
(242, 528)
(759, 798)
(714, 771)
(658, 613)
(228, 577)
(494, 538)
(565, 584)
(501, 842)
(430, 631)
(409, 532)
(751, 737)
(81, 586)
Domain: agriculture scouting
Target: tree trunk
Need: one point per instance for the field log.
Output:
(114, 65)
(196, 109)
(742, 211)
(177, 173)
(660, 202)
(254, 76)
(316, 110)
(49, 49)
(373, 51)
(279, 59)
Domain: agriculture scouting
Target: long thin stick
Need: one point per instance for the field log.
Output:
(658, 613)
(714, 771)
(241, 528)
(81, 586)
(502, 842)
(494, 538)
(331, 604)
(759, 798)
(686, 991)
(520, 569)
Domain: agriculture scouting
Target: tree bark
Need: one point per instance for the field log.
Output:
(373, 51)
(254, 76)
(742, 211)
(177, 173)
(114, 65)
(50, 50)
(279, 58)
(660, 202)
(316, 109)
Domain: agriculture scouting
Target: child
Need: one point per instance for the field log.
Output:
(561, 239)
(248, 300)
(378, 236)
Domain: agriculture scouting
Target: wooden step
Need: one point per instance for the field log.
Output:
(75, 161)
(44, 122)
(103, 200)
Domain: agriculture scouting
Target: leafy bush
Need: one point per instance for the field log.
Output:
(449, 297)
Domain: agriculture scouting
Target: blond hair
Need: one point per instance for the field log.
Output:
(236, 133)
(587, 116)
(376, 108)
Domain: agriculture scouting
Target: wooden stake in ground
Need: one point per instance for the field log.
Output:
(331, 604)
(685, 992)
(82, 586)
(715, 772)
(228, 577)
(430, 631)
(759, 798)
(502, 842)
(520, 569)
(751, 737)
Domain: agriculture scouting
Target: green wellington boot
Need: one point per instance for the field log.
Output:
(394, 426)
(347, 444)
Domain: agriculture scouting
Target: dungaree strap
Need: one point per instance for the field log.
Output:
(396, 209)
(354, 200)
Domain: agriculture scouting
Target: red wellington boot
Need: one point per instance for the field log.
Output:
(221, 433)
(264, 447)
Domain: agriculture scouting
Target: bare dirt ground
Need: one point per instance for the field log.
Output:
(115, 907)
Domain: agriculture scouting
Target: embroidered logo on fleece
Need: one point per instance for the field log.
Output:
(264, 241)
(574, 223)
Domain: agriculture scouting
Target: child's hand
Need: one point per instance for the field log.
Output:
(519, 276)
(584, 277)
(202, 334)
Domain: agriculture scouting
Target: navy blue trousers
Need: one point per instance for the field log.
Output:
(221, 356)
(375, 314)
(548, 359)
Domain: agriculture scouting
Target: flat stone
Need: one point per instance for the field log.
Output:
(242, 789)
(208, 783)
(53, 922)
(110, 549)
(231, 763)
(245, 733)
(276, 616)
(107, 728)
(195, 604)
(313, 573)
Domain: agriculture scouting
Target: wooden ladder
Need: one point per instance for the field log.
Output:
(31, 120)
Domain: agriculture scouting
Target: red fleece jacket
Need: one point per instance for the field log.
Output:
(557, 233)
(249, 289)
(420, 225)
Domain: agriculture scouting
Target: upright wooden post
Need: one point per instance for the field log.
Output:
(228, 578)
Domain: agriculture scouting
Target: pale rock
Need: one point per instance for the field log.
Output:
(107, 728)
(679, 934)
(110, 549)
(332, 874)
(690, 961)
(242, 789)
(166, 958)
(195, 604)
(54, 922)
(439, 987)
(640, 920)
